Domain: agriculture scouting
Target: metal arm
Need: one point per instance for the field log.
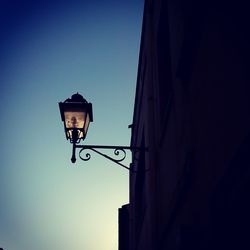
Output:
(119, 153)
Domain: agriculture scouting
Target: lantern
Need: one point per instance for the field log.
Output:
(76, 114)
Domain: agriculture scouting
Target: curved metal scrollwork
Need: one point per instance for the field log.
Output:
(118, 152)
(118, 155)
(85, 157)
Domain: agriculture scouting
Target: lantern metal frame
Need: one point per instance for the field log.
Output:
(76, 104)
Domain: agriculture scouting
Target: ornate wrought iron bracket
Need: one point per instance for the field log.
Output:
(119, 153)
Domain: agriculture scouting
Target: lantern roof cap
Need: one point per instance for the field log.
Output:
(76, 98)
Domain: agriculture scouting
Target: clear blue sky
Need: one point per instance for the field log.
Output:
(48, 51)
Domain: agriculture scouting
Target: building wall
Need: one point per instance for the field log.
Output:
(123, 234)
(192, 114)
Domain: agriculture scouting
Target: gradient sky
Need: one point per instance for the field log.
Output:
(49, 50)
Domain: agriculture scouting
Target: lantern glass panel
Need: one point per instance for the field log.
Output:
(74, 119)
(86, 123)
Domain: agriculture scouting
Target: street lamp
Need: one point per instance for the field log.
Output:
(76, 114)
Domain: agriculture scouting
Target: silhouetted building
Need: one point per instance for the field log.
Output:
(124, 227)
(192, 112)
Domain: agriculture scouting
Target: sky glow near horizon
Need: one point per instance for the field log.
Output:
(49, 51)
